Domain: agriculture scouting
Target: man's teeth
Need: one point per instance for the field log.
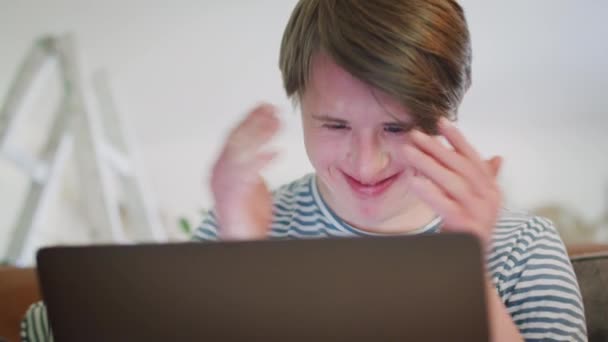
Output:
(370, 184)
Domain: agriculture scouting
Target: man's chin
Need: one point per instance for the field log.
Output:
(368, 212)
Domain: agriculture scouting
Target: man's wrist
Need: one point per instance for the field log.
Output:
(502, 327)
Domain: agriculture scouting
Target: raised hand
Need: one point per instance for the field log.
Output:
(459, 185)
(243, 202)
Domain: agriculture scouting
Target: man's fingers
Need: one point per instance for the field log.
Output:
(450, 159)
(460, 143)
(261, 161)
(261, 111)
(246, 169)
(259, 125)
(448, 181)
(433, 195)
(252, 133)
(494, 164)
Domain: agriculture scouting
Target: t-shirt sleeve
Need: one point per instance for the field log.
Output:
(542, 293)
(207, 230)
(35, 325)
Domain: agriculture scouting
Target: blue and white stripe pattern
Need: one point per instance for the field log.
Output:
(35, 326)
(528, 262)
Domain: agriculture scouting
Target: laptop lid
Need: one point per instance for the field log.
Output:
(422, 288)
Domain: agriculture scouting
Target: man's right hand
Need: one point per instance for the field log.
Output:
(243, 203)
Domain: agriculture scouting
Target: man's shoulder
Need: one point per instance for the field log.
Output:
(297, 212)
(289, 193)
(516, 222)
(519, 234)
(533, 275)
(521, 237)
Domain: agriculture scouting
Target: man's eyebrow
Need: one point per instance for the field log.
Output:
(327, 118)
(406, 125)
(396, 123)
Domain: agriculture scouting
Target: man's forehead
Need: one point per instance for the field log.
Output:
(336, 91)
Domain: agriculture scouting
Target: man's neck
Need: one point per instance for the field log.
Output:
(414, 219)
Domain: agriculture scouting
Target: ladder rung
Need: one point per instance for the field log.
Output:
(30, 76)
(35, 169)
(117, 160)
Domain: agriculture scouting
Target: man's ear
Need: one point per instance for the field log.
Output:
(494, 165)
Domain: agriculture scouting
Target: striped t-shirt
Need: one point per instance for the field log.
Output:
(528, 262)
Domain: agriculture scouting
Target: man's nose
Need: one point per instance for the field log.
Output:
(368, 158)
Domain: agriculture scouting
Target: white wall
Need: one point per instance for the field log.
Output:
(184, 72)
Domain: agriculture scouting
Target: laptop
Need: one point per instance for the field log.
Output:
(407, 288)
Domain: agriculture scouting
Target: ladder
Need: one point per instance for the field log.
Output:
(99, 145)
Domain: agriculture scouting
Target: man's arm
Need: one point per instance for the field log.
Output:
(502, 327)
(539, 286)
(35, 326)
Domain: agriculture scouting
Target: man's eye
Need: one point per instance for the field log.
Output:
(394, 129)
(335, 126)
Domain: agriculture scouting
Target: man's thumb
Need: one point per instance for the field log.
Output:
(494, 164)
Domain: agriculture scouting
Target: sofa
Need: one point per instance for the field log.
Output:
(19, 289)
(591, 268)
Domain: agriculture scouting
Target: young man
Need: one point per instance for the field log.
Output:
(377, 82)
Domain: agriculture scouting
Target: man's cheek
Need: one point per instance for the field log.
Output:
(324, 157)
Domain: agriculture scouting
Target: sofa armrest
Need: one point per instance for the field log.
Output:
(576, 250)
(18, 290)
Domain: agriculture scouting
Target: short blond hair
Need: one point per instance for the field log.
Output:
(417, 51)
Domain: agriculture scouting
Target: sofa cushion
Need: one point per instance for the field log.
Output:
(592, 274)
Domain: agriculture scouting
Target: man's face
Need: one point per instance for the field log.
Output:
(354, 141)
